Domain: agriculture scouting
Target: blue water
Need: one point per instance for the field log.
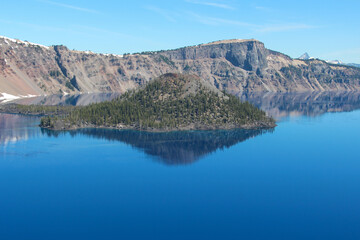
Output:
(300, 181)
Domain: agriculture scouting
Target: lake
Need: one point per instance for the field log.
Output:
(298, 181)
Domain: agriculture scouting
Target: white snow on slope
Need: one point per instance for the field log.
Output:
(5, 97)
(6, 39)
(334, 61)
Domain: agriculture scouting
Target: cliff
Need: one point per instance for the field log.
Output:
(233, 65)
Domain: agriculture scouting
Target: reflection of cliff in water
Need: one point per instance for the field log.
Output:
(281, 105)
(278, 105)
(73, 100)
(172, 147)
(14, 128)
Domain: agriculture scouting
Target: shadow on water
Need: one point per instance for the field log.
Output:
(171, 148)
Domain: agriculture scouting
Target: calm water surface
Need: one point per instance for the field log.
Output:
(299, 181)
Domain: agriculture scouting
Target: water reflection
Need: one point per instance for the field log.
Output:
(172, 147)
(280, 105)
(169, 148)
(14, 128)
(73, 100)
(183, 147)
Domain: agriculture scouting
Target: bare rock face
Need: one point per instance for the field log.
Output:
(231, 65)
(248, 55)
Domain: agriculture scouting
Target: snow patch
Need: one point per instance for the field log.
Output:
(5, 97)
(112, 55)
(6, 39)
(334, 62)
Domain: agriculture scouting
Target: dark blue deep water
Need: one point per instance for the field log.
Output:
(299, 181)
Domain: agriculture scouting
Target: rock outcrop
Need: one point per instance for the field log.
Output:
(232, 65)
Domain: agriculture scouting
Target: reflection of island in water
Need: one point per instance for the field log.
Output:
(280, 105)
(184, 147)
(172, 147)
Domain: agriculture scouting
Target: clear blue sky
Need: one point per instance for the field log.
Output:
(325, 29)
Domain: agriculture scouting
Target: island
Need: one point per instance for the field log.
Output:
(169, 103)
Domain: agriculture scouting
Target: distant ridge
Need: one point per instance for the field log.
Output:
(305, 56)
(230, 41)
(335, 62)
(234, 65)
(354, 65)
(22, 42)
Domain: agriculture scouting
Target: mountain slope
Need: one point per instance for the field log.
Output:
(233, 65)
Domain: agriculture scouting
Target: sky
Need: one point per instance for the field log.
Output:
(327, 30)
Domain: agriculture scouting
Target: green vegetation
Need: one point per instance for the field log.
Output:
(170, 102)
(74, 83)
(37, 110)
(187, 68)
(166, 60)
(291, 71)
(55, 73)
(69, 85)
(121, 71)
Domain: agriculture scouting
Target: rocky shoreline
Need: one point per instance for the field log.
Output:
(61, 126)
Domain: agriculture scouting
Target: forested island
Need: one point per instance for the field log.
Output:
(169, 103)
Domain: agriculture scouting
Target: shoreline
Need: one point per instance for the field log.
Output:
(61, 126)
(154, 130)
(257, 126)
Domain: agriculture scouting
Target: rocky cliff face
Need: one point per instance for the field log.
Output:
(233, 65)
